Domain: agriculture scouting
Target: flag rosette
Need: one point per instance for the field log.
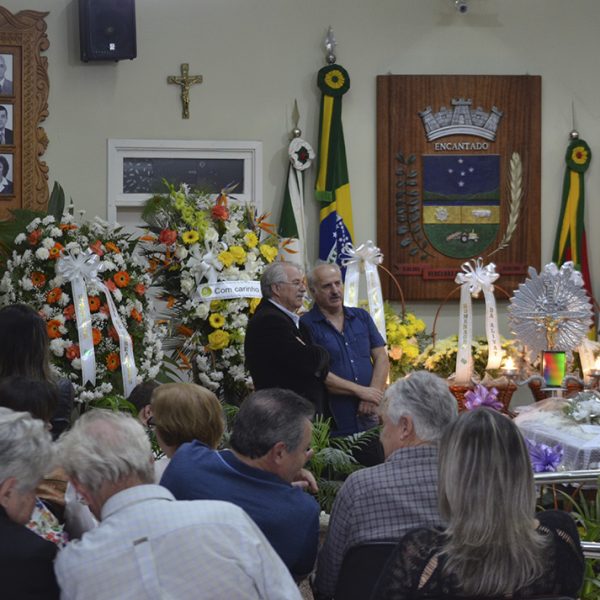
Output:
(229, 244)
(34, 276)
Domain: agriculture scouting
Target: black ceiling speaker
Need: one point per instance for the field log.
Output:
(107, 30)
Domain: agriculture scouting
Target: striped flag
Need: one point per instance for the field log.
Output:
(332, 189)
(570, 242)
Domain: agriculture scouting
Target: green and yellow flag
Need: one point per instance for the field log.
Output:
(332, 189)
(570, 242)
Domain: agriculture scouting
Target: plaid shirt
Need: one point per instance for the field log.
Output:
(380, 503)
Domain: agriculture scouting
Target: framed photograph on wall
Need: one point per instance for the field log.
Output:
(24, 90)
(137, 170)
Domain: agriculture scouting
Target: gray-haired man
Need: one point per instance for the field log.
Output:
(381, 503)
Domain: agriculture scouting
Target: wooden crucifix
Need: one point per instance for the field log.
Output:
(186, 82)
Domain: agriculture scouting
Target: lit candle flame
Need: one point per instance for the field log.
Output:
(509, 364)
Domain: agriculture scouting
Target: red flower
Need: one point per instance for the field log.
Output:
(96, 336)
(94, 302)
(69, 312)
(167, 237)
(110, 284)
(112, 332)
(96, 248)
(55, 251)
(220, 213)
(121, 279)
(136, 315)
(113, 361)
(38, 279)
(52, 327)
(140, 289)
(72, 352)
(34, 237)
(53, 296)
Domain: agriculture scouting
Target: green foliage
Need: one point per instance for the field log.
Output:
(332, 460)
(56, 203)
(114, 402)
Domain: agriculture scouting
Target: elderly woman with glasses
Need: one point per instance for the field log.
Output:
(26, 560)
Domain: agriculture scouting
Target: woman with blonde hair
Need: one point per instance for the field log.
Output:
(494, 544)
(184, 412)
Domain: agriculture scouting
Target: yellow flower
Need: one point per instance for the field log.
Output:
(335, 79)
(239, 254)
(395, 352)
(179, 200)
(216, 320)
(251, 239)
(226, 258)
(253, 303)
(190, 237)
(217, 305)
(269, 252)
(188, 214)
(579, 155)
(218, 339)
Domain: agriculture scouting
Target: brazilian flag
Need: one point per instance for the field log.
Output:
(332, 189)
(570, 243)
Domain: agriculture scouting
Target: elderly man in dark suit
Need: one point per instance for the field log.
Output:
(6, 134)
(280, 352)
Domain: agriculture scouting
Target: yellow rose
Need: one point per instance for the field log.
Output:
(268, 252)
(216, 320)
(226, 258)
(218, 339)
(239, 254)
(251, 239)
(253, 303)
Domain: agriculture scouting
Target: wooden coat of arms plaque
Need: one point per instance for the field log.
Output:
(458, 177)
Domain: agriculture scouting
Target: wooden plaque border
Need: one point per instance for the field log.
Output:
(23, 38)
(423, 271)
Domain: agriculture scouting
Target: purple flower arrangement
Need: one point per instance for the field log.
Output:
(482, 396)
(544, 458)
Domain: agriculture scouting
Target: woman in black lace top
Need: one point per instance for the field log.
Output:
(493, 545)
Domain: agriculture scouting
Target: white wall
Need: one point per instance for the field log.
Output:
(256, 56)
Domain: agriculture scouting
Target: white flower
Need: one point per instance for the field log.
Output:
(117, 295)
(48, 243)
(56, 232)
(34, 224)
(48, 219)
(42, 254)
(26, 284)
(202, 310)
(76, 364)
(211, 235)
(20, 238)
(187, 285)
(57, 347)
(181, 252)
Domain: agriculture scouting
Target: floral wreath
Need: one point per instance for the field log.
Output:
(199, 243)
(32, 278)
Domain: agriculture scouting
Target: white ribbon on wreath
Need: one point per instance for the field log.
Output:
(365, 258)
(474, 279)
(80, 270)
(205, 264)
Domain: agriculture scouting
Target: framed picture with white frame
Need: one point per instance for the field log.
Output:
(137, 170)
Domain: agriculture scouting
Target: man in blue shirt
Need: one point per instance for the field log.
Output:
(262, 473)
(359, 364)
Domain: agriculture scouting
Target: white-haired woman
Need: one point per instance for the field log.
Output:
(26, 569)
(494, 544)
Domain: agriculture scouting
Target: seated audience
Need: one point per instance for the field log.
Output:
(184, 412)
(140, 397)
(493, 544)
(383, 502)
(25, 350)
(147, 545)
(25, 558)
(270, 444)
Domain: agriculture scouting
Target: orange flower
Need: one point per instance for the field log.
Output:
(112, 332)
(38, 279)
(69, 312)
(112, 247)
(34, 237)
(136, 315)
(72, 352)
(140, 289)
(55, 251)
(171, 302)
(67, 226)
(53, 296)
(96, 336)
(113, 361)
(167, 236)
(220, 213)
(184, 330)
(152, 265)
(94, 302)
(96, 248)
(110, 284)
(121, 279)
(52, 327)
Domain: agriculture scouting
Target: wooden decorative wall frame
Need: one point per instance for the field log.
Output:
(458, 177)
(24, 95)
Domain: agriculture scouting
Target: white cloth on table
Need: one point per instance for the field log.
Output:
(545, 422)
(149, 546)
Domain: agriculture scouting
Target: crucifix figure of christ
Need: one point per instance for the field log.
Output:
(186, 82)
